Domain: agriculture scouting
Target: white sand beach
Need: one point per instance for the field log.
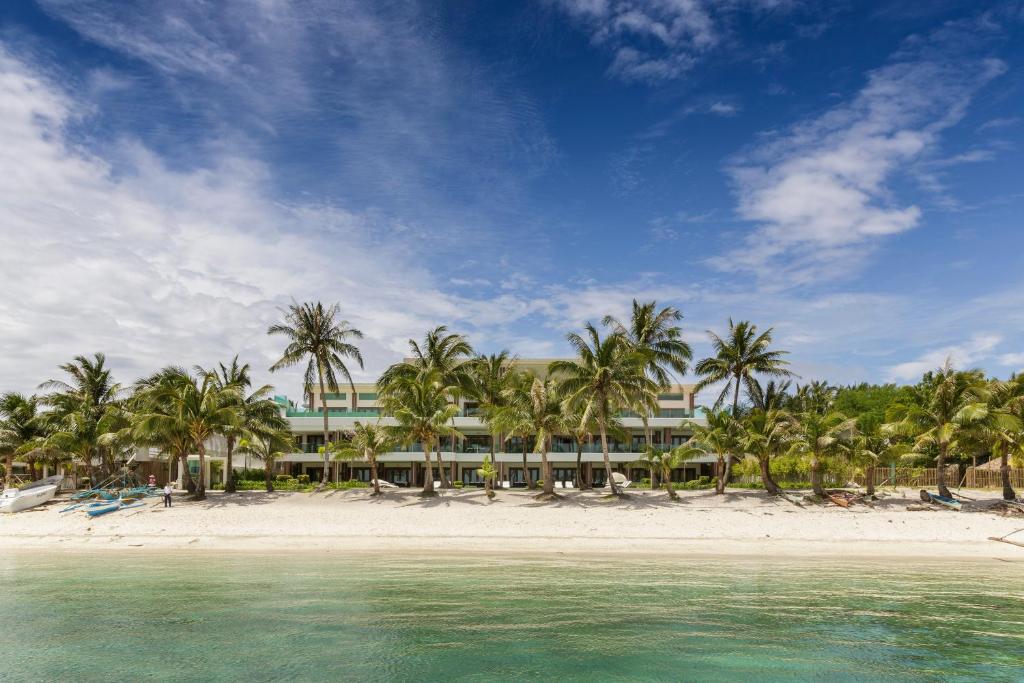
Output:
(739, 523)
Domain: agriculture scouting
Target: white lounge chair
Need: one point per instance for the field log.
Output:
(384, 484)
(620, 480)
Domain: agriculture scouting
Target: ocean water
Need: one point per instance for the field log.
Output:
(314, 617)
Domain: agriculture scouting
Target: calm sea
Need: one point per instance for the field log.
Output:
(197, 617)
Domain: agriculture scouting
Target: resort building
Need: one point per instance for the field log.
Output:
(669, 427)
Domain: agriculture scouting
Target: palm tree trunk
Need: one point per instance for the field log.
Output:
(373, 473)
(229, 479)
(8, 466)
(323, 407)
(869, 480)
(607, 460)
(766, 477)
(667, 477)
(1004, 474)
(201, 484)
(720, 475)
(494, 465)
(186, 475)
(579, 466)
(941, 475)
(816, 486)
(428, 476)
(442, 476)
(730, 459)
(268, 470)
(526, 470)
(549, 474)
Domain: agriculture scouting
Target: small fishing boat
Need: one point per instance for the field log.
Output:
(30, 495)
(929, 497)
(839, 500)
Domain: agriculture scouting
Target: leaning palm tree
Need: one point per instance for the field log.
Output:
(196, 405)
(449, 355)
(419, 405)
(950, 404)
(20, 424)
(607, 376)
(490, 377)
(257, 412)
(720, 435)
(741, 355)
(82, 401)
(317, 336)
(538, 412)
(368, 442)
(764, 435)
(817, 436)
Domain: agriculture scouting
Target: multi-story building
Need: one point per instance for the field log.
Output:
(671, 426)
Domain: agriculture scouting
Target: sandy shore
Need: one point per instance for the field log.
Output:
(742, 523)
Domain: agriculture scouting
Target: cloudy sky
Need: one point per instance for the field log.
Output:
(173, 173)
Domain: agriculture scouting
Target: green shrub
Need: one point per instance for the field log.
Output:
(303, 478)
(283, 477)
(350, 484)
(458, 484)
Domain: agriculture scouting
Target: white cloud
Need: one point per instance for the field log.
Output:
(820, 192)
(967, 354)
(1012, 359)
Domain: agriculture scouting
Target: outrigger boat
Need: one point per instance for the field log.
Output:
(929, 497)
(30, 495)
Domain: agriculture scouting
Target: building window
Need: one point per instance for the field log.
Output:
(671, 397)
(333, 397)
(471, 477)
(368, 397)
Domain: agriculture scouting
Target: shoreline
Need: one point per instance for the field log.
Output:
(740, 525)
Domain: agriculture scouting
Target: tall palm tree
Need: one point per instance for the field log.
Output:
(950, 404)
(170, 437)
(267, 447)
(82, 402)
(421, 408)
(764, 436)
(196, 405)
(1007, 435)
(607, 376)
(721, 436)
(511, 419)
(741, 355)
(772, 396)
(581, 423)
(816, 436)
(20, 425)
(816, 397)
(490, 376)
(317, 336)
(538, 412)
(654, 333)
(369, 442)
(448, 354)
(257, 411)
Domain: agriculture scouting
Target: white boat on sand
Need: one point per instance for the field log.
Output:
(30, 495)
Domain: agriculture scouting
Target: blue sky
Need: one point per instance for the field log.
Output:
(174, 173)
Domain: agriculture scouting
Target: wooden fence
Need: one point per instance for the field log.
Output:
(978, 478)
(922, 477)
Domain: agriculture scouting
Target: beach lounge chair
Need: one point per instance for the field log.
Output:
(620, 480)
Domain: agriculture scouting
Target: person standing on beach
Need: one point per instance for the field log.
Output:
(168, 490)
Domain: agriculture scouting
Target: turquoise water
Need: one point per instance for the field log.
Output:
(194, 617)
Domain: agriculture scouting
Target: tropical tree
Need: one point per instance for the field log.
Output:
(815, 397)
(490, 377)
(764, 436)
(448, 354)
(257, 412)
(580, 422)
(81, 406)
(170, 437)
(816, 436)
(772, 396)
(739, 356)
(654, 333)
(722, 435)
(511, 417)
(607, 376)
(949, 405)
(194, 404)
(319, 337)
(267, 447)
(535, 409)
(368, 442)
(489, 474)
(1007, 434)
(421, 408)
(20, 425)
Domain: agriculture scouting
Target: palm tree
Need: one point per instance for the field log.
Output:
(196, 405)
(447, 354)
(772, 396)
(20, 425)
(816, 397)
(817, 436)
(420, 406)
(950, 403)
(536, 411)
(511, 419)
(81, 403)
(666, 461)
(369, 442)
(764, 436)
(490, 377)
(654, 333)
(257, 411)
(742, 354)
(581, 423)
(317, 336)
(267, 447)
(721, 436)
(1007, 437)
(489, 474)
(607, 376)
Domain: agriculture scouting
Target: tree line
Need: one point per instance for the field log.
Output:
(760, 413)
